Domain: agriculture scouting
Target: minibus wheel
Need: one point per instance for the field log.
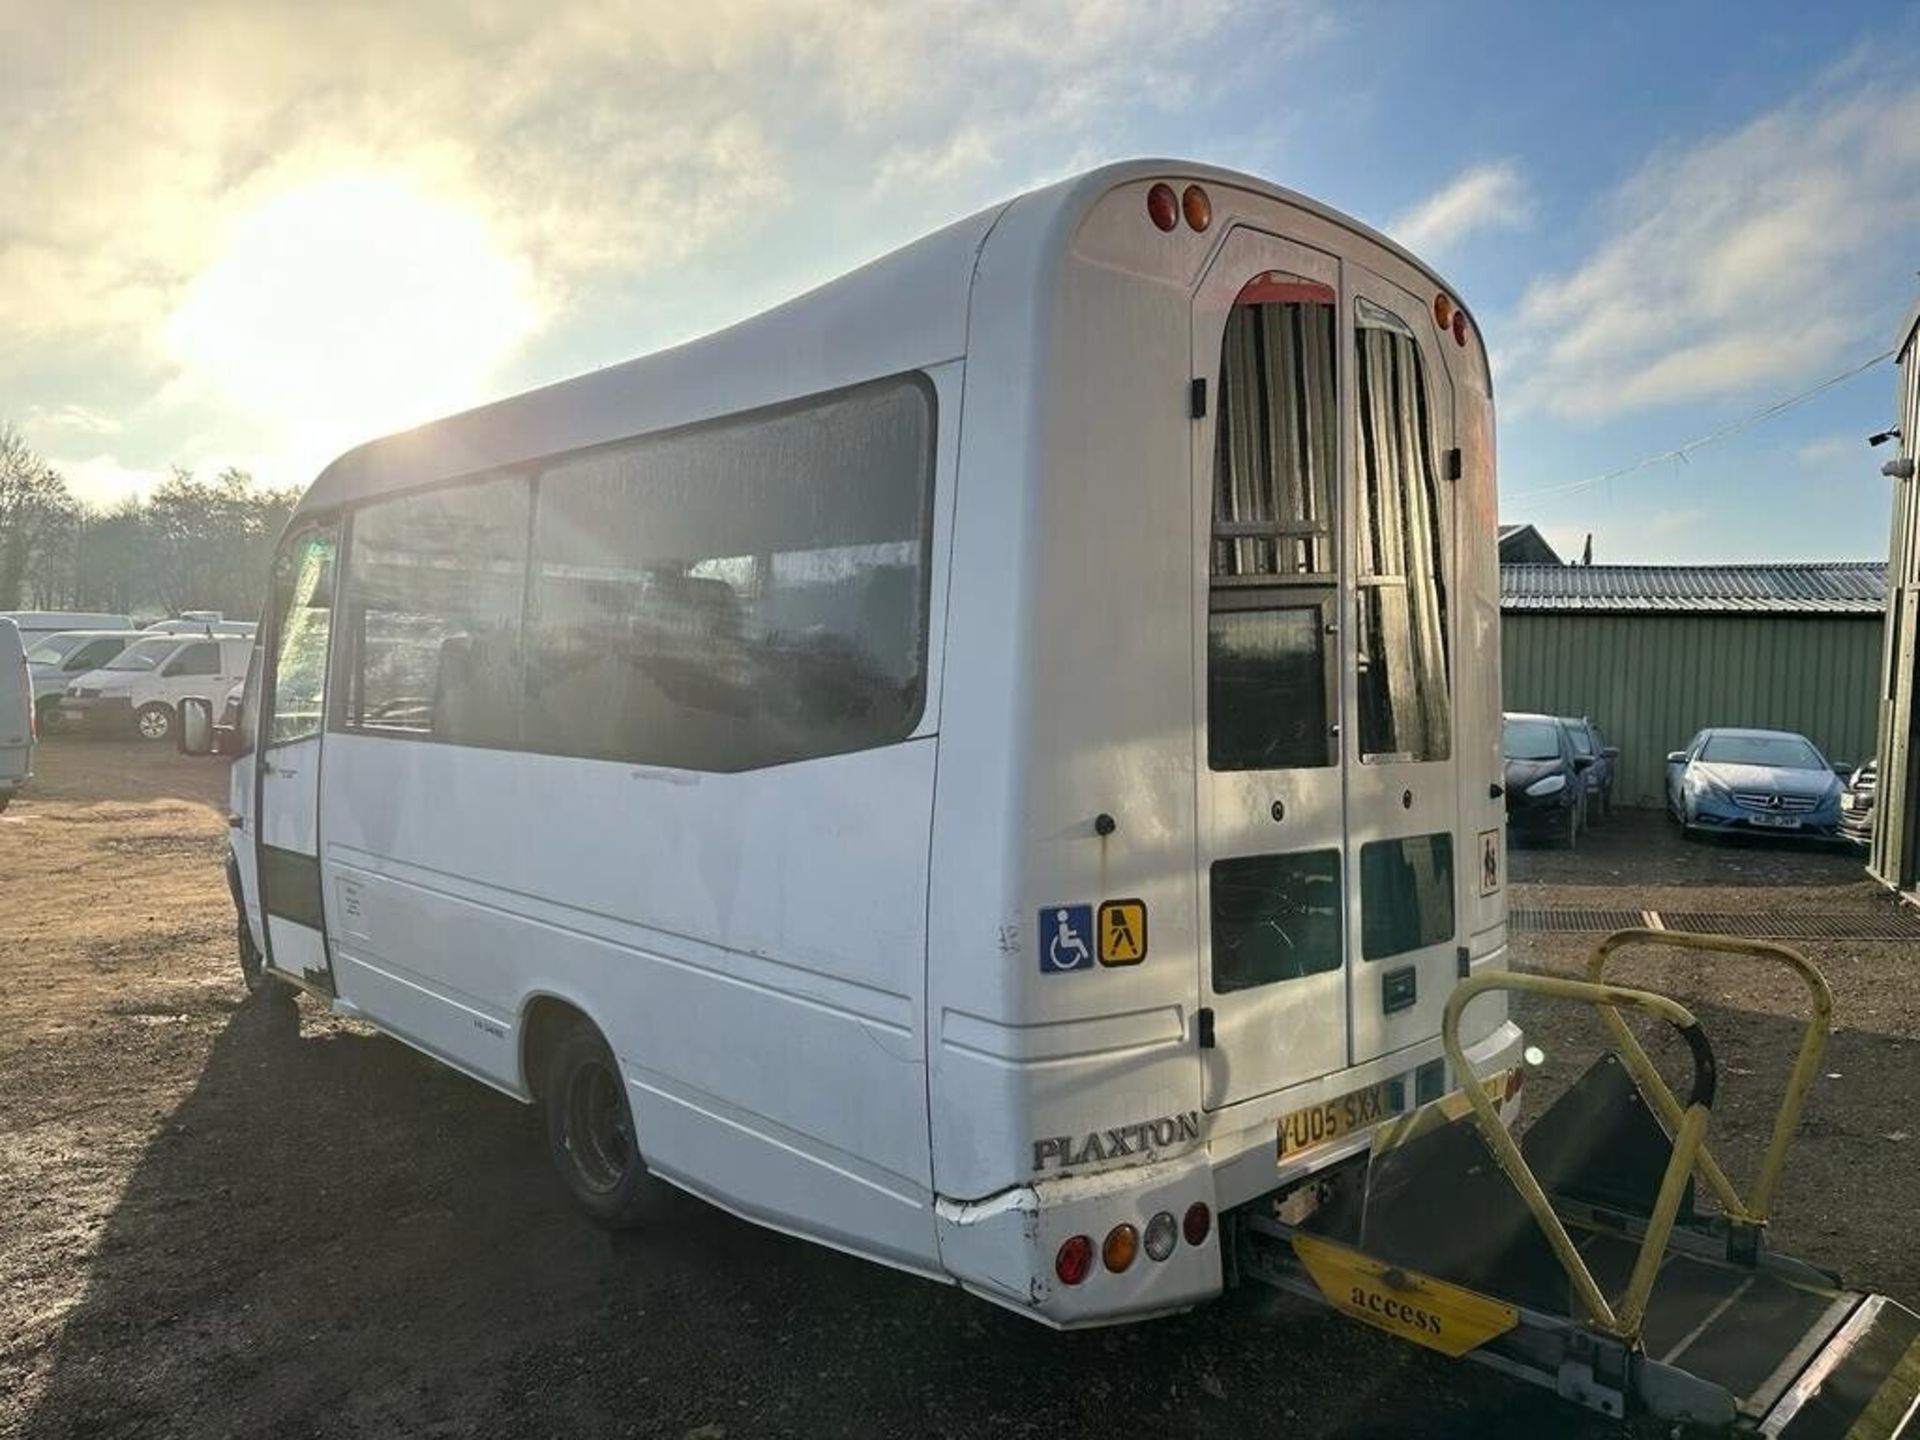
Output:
(590, 1130)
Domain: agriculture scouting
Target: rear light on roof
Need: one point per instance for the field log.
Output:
(1074, 1260)
(1459, 327)
(1197, 207)
(1121, 1246)
(1163, 207)
(1442, 310)
(1198, 1223)
(1163, 1233)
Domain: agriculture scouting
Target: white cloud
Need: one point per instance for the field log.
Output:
(597, 144)
(1763, 258)
(1486, 197)
(1829, 452)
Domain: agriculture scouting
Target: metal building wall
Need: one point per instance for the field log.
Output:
(1651, 681)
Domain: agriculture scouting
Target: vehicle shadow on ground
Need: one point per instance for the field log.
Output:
(334, 1236)
(1644, 847)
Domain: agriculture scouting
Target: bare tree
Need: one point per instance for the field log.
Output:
(35, 510)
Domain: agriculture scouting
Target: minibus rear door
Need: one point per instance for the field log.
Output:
(1270, 808)
(287, 761)
(1402, 799)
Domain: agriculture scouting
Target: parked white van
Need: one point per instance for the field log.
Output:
(36, 623)
(200, 622)
(56, 661)
(16, 714)
(141, 688)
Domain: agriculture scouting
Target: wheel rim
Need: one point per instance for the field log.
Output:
(599, 1135)
(153, 725)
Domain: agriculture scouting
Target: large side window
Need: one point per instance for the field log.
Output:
(739, 594)
(435, 585)
(1402, 528)
(302, 625)
(1270, 690)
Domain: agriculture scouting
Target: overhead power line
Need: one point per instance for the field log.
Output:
(1681, 452)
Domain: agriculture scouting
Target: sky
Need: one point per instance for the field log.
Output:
(255, 232)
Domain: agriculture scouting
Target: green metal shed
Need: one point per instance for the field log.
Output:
(1655, 652)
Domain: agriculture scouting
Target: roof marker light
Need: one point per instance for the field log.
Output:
(1162, 206)
(1442, 310)
(1197, 207)
(1459, 327)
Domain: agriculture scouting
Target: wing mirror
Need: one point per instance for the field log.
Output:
(1676, 757)
(196, 726)
(1845, 772)
(1612, 752)
(1583, 762)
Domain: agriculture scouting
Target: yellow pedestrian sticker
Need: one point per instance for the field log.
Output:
(1406, 1303)
(1123, 932)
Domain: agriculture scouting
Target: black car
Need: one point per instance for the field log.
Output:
(1590, 744)
(1545, 779)
(1856, 804)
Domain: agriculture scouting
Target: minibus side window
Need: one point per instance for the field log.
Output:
(435, 583)
(741, 594)
(1272, 553)
(1401, 531)
(303, 596)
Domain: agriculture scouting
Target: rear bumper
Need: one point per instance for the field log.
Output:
(1002, 1248)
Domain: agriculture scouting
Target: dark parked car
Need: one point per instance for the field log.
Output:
(1590, 744)
(1856, 804)
(1545, 779)
(1756, 781)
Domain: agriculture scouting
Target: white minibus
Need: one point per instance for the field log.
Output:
(992, 765)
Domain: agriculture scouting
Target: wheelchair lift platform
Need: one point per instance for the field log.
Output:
(1578, 1259)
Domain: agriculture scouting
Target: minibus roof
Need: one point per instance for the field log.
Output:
(905, 310)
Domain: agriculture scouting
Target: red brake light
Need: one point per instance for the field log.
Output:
(1074, 1260)
(1198, 1223)
(1163, 207)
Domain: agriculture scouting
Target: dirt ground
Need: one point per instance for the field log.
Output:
(226, 1217)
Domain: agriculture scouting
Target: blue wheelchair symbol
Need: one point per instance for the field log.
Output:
(1063, 934)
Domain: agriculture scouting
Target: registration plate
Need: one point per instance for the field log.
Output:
(1331, 1119)
(1778, 822)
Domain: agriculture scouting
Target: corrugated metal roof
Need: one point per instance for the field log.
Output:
(1844, 587)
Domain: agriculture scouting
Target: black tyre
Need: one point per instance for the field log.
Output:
(253, 968)
(154, 722)
(590, 1130)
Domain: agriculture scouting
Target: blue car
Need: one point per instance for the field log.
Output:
(1768, 782)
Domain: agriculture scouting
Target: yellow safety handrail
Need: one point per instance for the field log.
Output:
(1806, 1065)
(1688, 1134)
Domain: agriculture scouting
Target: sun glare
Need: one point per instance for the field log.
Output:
(352, 306)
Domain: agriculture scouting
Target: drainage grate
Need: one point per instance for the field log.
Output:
(1604, 921)
(1883, 923)
(1889, 923)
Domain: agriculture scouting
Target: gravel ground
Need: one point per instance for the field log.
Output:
(221, 1217)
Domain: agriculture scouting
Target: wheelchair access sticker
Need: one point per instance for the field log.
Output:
(1066, 939)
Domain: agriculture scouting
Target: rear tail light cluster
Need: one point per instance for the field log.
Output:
(1166, 209)
(1074, 1260)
